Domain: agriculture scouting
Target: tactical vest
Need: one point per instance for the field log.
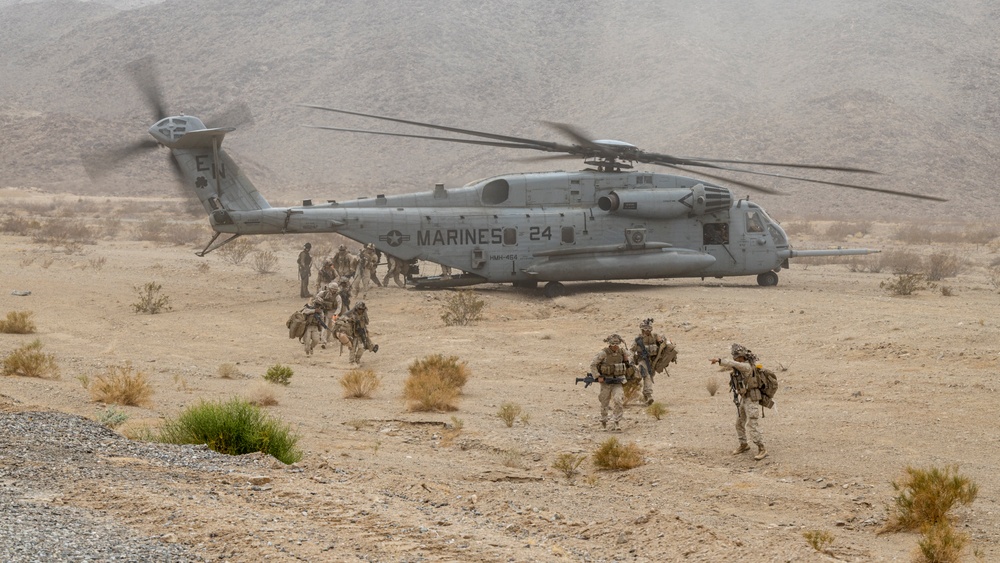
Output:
(651, 345)
(613, 364)
(751, 385)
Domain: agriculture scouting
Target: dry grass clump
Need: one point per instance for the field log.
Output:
(612, 455)
(712, 386)
(657, 410)
(229, 371)
(902, 262)
(18, 322)
(568, 465)
(435, 383)
(631, 390)
(121, 385)
(17, 225)
(462, 308)
(360, 383)
(820, 540)
(263, 395)
(59, 232)
(150, 301)
(454, 372)
(941, 544)
(30, 361)
(508, 413)
(926, 496)
(263, 262)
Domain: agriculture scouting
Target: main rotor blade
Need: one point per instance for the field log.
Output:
(695, 159)
(749, 185)
(580, 137)
(146, 78)
(430, 137)
(541, 145)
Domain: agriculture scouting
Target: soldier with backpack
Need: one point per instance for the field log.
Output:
(752, 387)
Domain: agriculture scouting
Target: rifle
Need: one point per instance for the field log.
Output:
(363, 334)
(587, 381)
(644, 356)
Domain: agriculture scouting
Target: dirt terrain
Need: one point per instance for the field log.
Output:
(870, 383)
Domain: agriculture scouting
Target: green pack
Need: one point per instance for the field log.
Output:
(768, 386)
(296, 325)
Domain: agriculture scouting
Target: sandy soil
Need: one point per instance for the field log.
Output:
(870, 383)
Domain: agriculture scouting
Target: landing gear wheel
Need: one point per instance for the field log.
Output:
(767, 279)
(554, 289)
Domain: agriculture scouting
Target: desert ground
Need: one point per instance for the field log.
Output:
(870, 383)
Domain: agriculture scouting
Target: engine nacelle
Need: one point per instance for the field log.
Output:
(661, 203)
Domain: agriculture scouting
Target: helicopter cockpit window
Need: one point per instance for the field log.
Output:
(509, 236)
(754, 224)
(568, 235)
(496, 192)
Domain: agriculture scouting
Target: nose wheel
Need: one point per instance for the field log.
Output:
(767, 279)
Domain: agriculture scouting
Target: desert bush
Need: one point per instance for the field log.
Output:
(841, 230)
(512, 458)
(182, 234)
(914, 234)
(656, 410)
(235, 252)
(18, 322)
(151, 230)
(229, 371)
(98, 263)
(64, 232)
(109, 226)
(906, 284)
(712, 386)
(983, 235)
(112, 417)
(993, 276)
(462, 308)
(631, 391)
(902, 262)
(30, 361)
(820, 540)
(453, 372)
(940, 543)
(451, 431)
(150, 301)
(873, 264)
(612, 455)
(122, 385)
(508, 413)
(262, 395)
(17, 225)
(263, 262)
(235, 427)
(947, 291)
(924, 497)
(941, 265)
(203, 267)
(360, 383)
(568, 465)
(278, 374)
(429, 392)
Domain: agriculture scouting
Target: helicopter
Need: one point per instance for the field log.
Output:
(607, 221)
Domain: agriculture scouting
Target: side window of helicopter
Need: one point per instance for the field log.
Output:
(715, 233)
(509, 236)
(568, 235)
(754, 225)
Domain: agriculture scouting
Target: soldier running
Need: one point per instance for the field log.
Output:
(351, 329)
(612, 366)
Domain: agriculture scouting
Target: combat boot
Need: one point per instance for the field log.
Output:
(761, 452)
(649, 401)
(741, 449)
(615, 427)
(604, 424)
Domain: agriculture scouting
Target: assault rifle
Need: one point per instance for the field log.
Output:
(587, 381)
(363, 335)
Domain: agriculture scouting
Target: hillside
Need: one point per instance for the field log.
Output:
(908, 89)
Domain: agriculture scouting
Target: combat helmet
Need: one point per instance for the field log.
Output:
(739, 350)
(343, 247)
(646, 324)
(361, 306)
(308, 246)
(613, 340)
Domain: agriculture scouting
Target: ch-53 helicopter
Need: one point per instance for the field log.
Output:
(605, 222)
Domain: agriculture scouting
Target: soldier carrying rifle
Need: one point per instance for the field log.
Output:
(351, 329)
(612, 366)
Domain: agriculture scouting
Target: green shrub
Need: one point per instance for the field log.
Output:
(112, 417)
(820, 540)
(568, 465)
(150, 301)
(30, 361)
(940, 543)
(279, 374)
(906, 284)
(235, 427)
(614, 456)
(462, 308)
(18, 322)
(925, 496)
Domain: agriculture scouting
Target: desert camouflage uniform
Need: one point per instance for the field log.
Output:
(314, 326)
(331, 303)
(745, 385)
(343, 262)
(654, 345)
(611, 367)
(305, 269)
(326, 274)
(351, 328)
(363, 276)
(396, 267)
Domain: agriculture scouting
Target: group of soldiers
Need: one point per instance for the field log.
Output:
(650, 354)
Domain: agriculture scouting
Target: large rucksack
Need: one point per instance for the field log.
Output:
(768, 386)
(296, 325)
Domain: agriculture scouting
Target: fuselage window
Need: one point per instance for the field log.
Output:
(568, 235)
(509, 236)
(716, 233)
(496, 192)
